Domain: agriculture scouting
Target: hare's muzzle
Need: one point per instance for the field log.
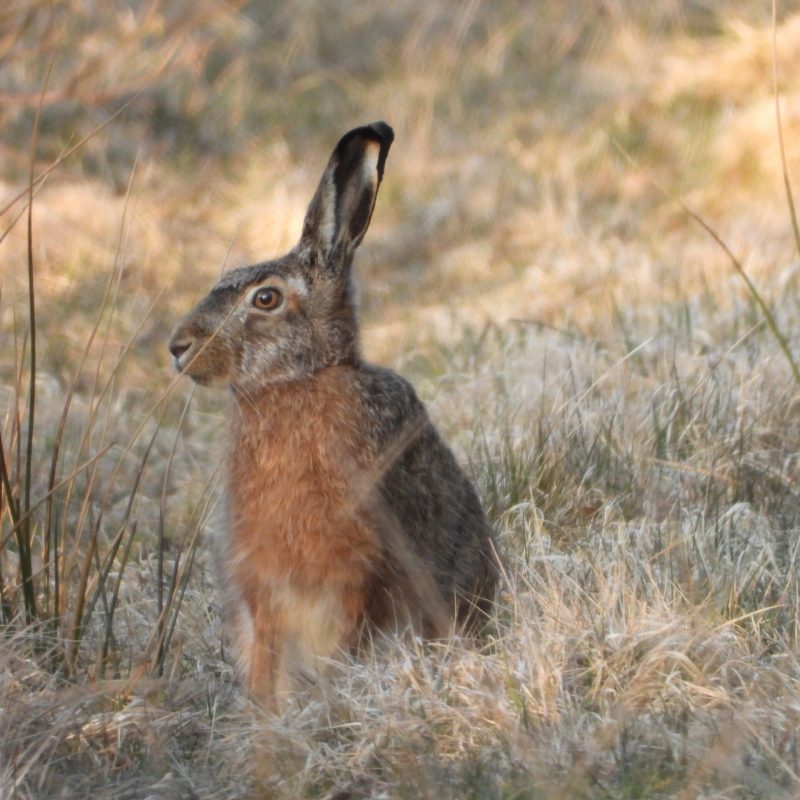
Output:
(179, 347)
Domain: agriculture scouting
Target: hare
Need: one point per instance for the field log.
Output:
(347, 513)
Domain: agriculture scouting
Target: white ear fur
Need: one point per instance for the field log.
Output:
(369, 165)
(327, 223)
(369, 180)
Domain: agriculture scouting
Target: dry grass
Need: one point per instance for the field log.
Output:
(591, 352)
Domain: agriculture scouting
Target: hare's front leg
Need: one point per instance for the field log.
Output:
(257, 634)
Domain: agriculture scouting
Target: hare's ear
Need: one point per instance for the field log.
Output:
(339, 213)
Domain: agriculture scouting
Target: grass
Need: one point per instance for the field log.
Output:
(626, 402)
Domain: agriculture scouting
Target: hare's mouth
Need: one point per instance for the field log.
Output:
(202, 370)
(182, 360)
(185, 358)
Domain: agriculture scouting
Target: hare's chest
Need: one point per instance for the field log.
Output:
(295, 508)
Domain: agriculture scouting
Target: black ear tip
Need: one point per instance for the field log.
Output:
(384, 132)
(378, 132)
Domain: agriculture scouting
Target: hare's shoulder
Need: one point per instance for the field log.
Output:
(389, 404)
(401, 432)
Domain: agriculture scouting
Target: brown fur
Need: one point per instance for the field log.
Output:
(297, 448)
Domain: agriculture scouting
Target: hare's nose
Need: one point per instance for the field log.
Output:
(178, 348)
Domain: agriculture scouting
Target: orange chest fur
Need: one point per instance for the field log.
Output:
(296, 511)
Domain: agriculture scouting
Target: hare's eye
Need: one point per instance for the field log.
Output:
(267, 299)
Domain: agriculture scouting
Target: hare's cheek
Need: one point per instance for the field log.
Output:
(212, 364)
(260, 358)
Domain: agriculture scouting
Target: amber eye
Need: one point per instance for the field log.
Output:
(267, 299)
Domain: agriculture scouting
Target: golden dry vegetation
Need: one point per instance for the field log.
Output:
(628, 405)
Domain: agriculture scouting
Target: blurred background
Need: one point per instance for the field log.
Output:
(522, 184)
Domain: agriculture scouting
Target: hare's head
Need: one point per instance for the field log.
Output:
(281, 320)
